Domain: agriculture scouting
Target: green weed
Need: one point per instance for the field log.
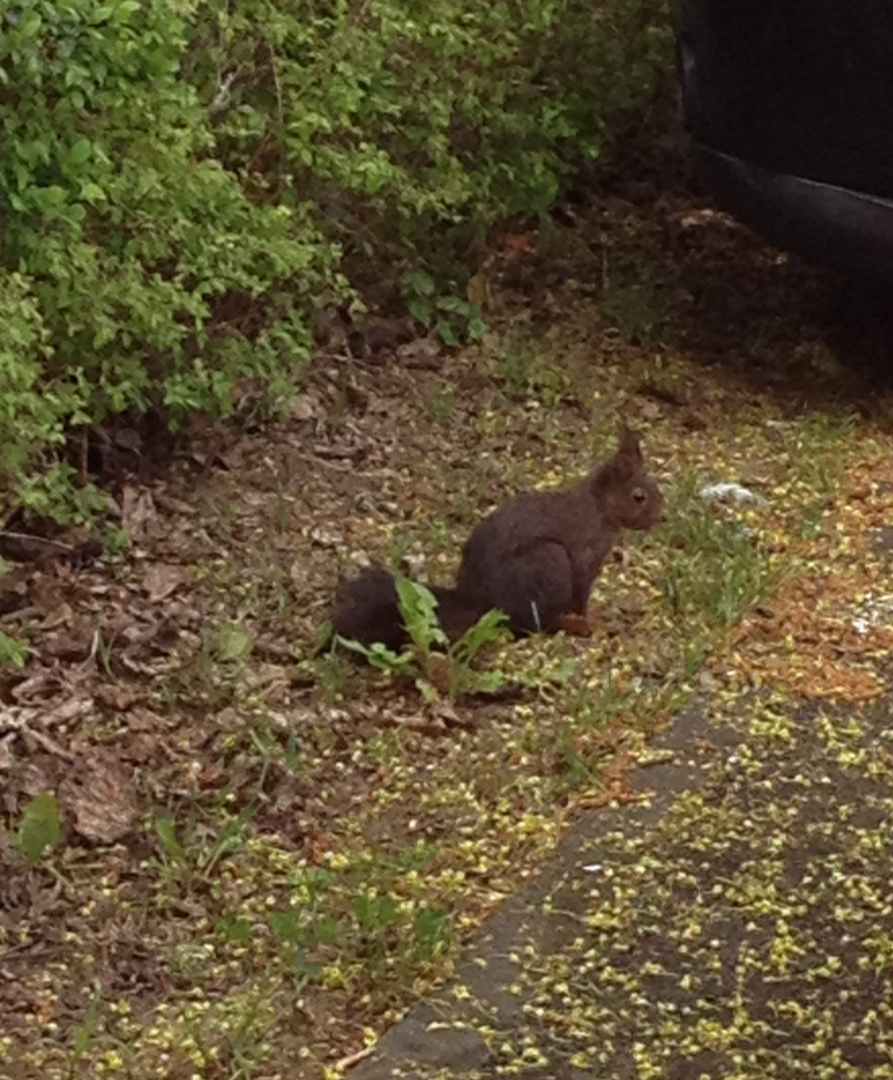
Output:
(638, 312)
(454, 320)
(13, 651)
(429, 649)
(441, 404)
(188, 854)
(718, 569)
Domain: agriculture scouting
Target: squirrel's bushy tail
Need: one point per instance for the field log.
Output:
(367, 610)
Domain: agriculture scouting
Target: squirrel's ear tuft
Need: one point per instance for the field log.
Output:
(629, 442)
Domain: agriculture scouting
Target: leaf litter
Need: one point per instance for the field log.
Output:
(266, 857)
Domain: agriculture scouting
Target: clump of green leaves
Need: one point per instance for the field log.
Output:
(429, 653)
(189, 852)
(356, 913)
(453, 319)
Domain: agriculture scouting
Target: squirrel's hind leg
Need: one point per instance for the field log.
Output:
(576, 624)
(535, 588)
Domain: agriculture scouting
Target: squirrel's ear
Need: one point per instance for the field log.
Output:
(629, 442)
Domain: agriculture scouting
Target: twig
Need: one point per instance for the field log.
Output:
(337, 466)
(275, 651)
(341, 453)
(356, 17)
(20, 546)
(220, 101)
(276, 83)
(24, 613)
(84, 450)
(261, 146)
(48, 744)
(353, 1059)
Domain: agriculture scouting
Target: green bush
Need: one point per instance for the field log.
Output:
(397, 117)
(182, 180)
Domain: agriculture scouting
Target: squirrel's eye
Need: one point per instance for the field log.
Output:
(639, 495)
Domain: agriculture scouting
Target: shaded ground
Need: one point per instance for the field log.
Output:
(267, 859)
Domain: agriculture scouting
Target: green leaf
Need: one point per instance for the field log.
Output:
(231, 837)
(352, 646)
(448, 334)
(492, 626)
(488, 682)
(84, 1032)
(415, 283)
(375, 912)
(40, 828)
(377, 654)
(421, 310)
(285, 926)
(325, 634)
(305, 967)
(325, 929)
(386, 659)
(432, 925)
(455, 304)
(12, 651)
(92, 193)
(427, 689)
(418, 606)
(166, 831)
(233, 643)
(234, 929)
(80, 152)
(30, 24)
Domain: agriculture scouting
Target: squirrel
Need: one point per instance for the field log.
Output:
(535, 558)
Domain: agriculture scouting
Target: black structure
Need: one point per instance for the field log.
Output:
(789, 104)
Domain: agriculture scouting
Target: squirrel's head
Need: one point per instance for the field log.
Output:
(628, 497)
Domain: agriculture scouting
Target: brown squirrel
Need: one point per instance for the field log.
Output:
(535, 558)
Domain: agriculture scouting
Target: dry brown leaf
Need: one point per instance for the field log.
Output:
(143, 719)
(116, 697)
(516, 244)
(14, 589)
(141, 747)
(99, 795)
(162, 580)
(61, 615)
(137, 511)
(68, 711)
(38, 775)
(74, 644)
(426, 353)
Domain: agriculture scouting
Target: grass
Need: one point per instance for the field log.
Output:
(317, 843)
(721, 566)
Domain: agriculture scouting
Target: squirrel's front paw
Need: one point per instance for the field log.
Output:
(576, 624)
